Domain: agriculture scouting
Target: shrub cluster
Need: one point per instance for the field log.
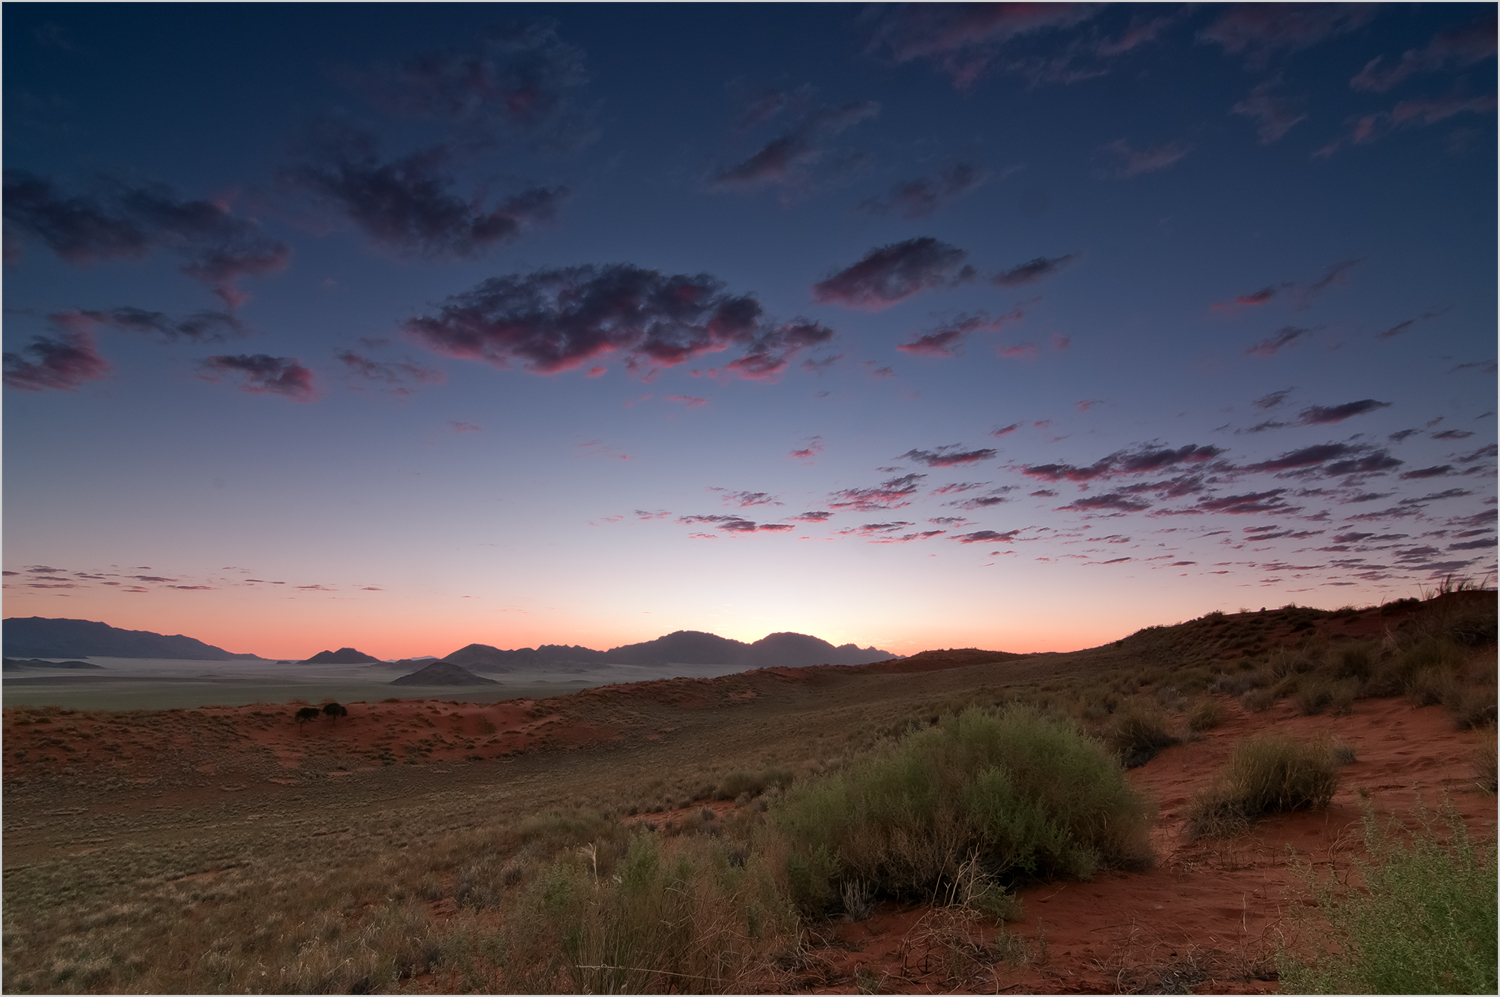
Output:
(1265, 775)
(1005, 794)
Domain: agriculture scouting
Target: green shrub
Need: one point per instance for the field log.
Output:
(1424, 921)
(1008, 794)
(1208, 714)
(1265, 775)
(1138, 731)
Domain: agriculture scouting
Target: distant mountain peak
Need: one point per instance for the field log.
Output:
(343, 656)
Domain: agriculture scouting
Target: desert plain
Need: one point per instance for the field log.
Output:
(435, 844)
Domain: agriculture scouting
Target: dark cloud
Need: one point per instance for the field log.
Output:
(810, 452)
(1260, 297)
(1259, 30)
(737, 524)
(1252, 502)
(986, 536)
(1113, 501)
(264, 374)
(1273, 116)
(1486, 366)
(995, 498)
(1336, 275)
(892, 494)
(919, 198)
(200, 327)
(1436, 471)
(1451, 47)
(1142, 461)
(964, 40)
(945, 339)
(398, 373)
(1373, 463)
(121, 221)
(747, 499)
(1006, 430)
(1032, 271)
(1284, 337)
(1400, 435)
(1452, 434)
(62, 362)
(1483, 452)
(1272, 400)
(890, 274)
(813, 517)
(1318, 415)
(1474, 545)
(521, 79)
(787, 160)
(1132, 162)
(556, 320)
(948, 456)
(1306, 457)
(409, 206)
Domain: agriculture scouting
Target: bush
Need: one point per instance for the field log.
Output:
(1138, 732)
(1265, 775)
(1207, 715)
(1425, 921)
(1006, 794)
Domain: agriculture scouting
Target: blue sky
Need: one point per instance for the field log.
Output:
(999, 325)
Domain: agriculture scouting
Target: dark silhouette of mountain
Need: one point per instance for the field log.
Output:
(12, 664)
(686, 647)
(483, 657)
(442, 673)
(41, 637)
(343, 656)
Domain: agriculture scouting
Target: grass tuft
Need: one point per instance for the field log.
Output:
(1265, 775)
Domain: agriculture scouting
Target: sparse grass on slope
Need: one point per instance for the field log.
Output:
(1423, 922)
(1268, 774)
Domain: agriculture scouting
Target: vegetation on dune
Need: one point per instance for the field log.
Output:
(1265, 775)
(1418, 917)
(980, 800)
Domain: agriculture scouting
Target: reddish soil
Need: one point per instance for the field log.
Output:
(1210, 915)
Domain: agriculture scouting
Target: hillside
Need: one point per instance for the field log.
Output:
(680, 647)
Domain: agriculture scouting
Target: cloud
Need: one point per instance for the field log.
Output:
(1252, 502)
(1452, 434)
(945, 339)
(1272, 400)
(747, 499)
(812, 517)
(918, 198)
(264, 374)
(892, 494)
(1133, 162)
(199, 327)
(559, 319)
(1274, 117)
(1482, 453)
(963, 40)
(1113, 501)
(1336, 275)
(1259, 30)
(1141, 461)
(1456, 47)
(787, 160)
(947, 457)
(889, 274)
(1436, 471)
(63, 362)
(1283, 338)
(986, 536)
(691, 401)
(810, 452)
(1032, 271)
(408, 205)
(1006, 430)
(122, 221)
(522, 79)
(1306, 457)
(737, 524)
(463, 427)
(1260, 297)
(1318, 415)
(1373, 463)
(397, 374)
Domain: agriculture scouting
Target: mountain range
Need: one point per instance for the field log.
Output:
(40, 637)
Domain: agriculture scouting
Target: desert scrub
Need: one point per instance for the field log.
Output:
(1138, 731)
(1021, 794)
(687, 914)
(1423, 922)
(1265, 775)
(1206, 715)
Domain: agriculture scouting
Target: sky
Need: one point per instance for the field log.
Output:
(1018, 326)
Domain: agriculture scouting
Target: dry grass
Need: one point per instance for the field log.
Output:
(1265, 775)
